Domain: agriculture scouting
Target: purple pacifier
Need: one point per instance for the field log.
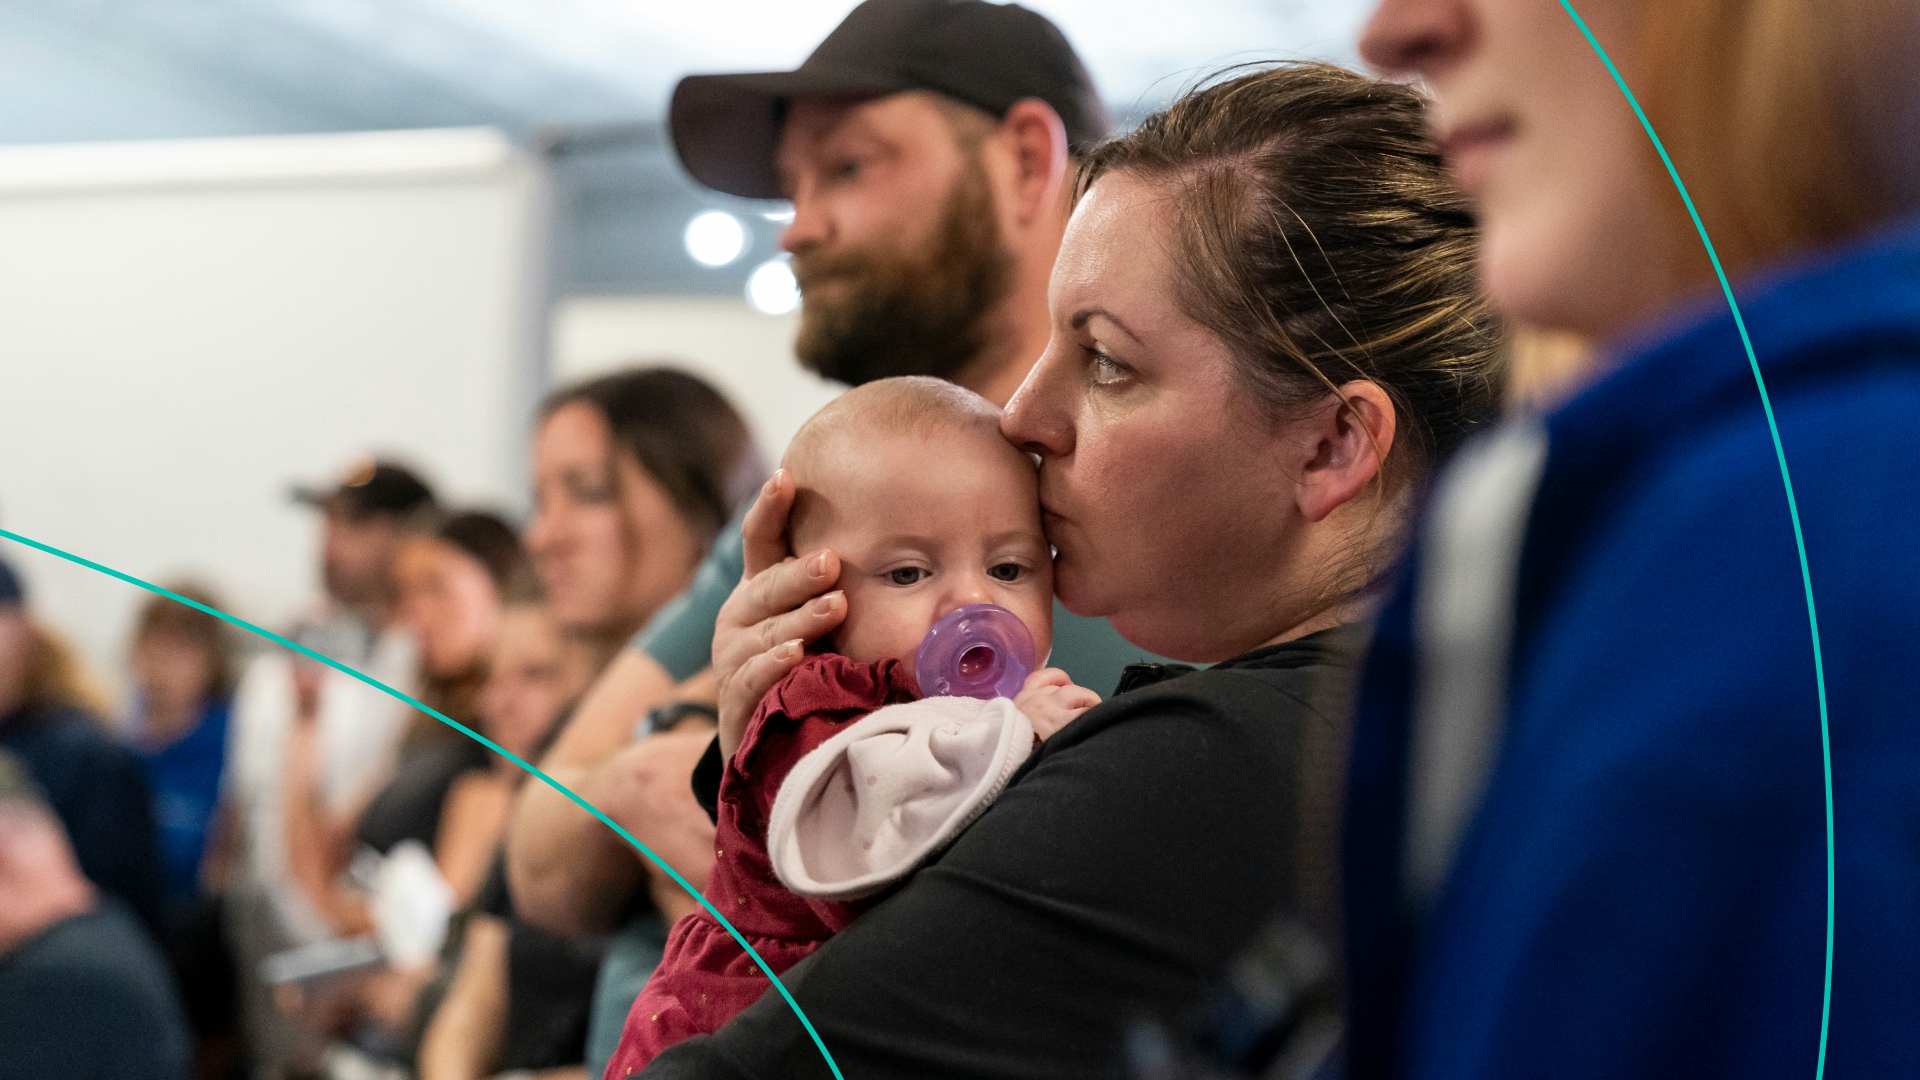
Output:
(978, 651)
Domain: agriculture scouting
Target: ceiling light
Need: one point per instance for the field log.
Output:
(771, 288)
(715, 238)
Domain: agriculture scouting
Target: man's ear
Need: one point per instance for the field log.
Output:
(1037, 141)
(1346, 443)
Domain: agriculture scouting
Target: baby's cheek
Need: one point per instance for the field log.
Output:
(881, 624)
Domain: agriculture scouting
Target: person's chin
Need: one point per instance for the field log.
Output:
(1075, 590)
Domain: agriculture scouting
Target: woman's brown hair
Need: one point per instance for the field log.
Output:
(1315, 231)
(162, 617)
(683, 433)
(1793, 123)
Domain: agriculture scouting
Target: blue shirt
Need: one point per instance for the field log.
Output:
(1642, 890)
(184, 777)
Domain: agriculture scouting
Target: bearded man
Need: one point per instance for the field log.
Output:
(927, 149)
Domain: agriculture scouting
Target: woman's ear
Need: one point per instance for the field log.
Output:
(1347, 442)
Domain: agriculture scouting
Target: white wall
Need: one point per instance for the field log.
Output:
(747, 355)
(187, 327)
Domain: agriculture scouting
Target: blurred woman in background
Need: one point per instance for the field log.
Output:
(454, 578)
(183, 694)
(634, 474)
(183, 686)
(453, 573)
(518, 997)
(1589, 822)
(50, 718)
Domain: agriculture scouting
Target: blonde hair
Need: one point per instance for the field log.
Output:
(1794, 123)
(57, 676)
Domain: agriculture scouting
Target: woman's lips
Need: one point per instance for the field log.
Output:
(1468, 148)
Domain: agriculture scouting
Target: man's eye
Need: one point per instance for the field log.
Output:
(907, 575)
(1006, 571)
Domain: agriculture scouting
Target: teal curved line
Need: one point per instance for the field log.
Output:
(463, 729)
(1793, 507)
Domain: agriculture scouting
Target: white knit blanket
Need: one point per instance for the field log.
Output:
(873, 802)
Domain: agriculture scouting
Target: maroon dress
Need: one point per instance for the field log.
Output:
(706, 978)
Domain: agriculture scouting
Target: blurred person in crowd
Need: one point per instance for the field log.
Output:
(1589, 830)
(1266, 327)
(518, 998)
(183, 689)
(634, 475)
(182, 676)
(452, 572)
(83, 992)
(927, 147)
(355, 729)
(96, 785)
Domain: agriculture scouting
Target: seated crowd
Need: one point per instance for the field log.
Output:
(1341, 692)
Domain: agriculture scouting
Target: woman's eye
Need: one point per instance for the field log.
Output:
(847, 169)
(1106, 370)
(907, 575)
(1006, 571)
(591, 492)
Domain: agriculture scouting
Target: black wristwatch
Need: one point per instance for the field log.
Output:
(668, 717)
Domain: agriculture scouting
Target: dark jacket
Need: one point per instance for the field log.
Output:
(1643, 890)
(98, 787)
(1132, 855)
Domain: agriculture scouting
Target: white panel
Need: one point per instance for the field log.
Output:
(180, 341)
(747, 355)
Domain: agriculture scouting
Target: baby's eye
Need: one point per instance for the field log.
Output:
(907, 575)
(1006, 571)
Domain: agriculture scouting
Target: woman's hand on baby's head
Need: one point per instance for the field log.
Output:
(766, 624)
(1050, 701)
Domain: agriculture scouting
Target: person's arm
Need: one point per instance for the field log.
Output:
(470, 830)
(462, 1041)
(1146, 843)
(570, 873)
(318, 848)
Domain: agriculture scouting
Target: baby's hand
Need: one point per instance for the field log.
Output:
(1050, 700)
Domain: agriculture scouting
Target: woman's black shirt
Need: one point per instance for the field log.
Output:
(1131, 857)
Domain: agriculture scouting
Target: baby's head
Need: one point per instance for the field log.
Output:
(909, 481)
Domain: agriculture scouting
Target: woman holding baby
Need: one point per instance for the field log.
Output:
(1265, 326)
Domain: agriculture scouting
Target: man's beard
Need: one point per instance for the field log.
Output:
(905, 316)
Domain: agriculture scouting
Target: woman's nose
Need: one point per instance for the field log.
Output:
(1038, 418)
(1414, 37)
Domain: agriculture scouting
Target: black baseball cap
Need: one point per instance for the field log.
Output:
(726, 128)
(371, 487)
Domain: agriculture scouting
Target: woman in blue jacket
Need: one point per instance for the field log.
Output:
(1588, 827)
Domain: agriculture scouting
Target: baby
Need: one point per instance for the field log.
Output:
(843, 781)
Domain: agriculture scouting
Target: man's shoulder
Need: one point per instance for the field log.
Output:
(92, 986)
(69, 737)
(102, 954)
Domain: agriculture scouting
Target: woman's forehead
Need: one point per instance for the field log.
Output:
(1114, 254)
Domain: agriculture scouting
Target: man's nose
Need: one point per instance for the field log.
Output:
(810, 227)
